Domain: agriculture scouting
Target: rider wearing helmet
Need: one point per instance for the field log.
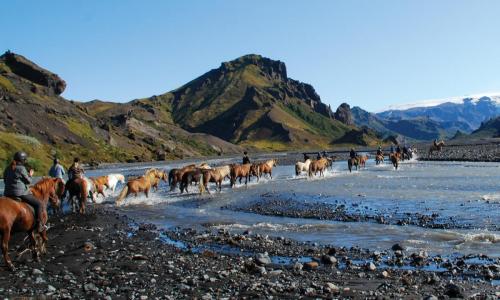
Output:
(246, 159)
(17, 180)
(379, 150)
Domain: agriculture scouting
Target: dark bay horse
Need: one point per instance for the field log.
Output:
(79, 188)
(394, 157)
(352, 162)
(16, 216)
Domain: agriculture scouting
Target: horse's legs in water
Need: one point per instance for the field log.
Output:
(146, 191)
(271, 174)
(5, 248)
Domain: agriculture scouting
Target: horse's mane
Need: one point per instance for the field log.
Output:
(44, 184)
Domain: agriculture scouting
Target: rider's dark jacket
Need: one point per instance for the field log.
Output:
(352, 154)
(16, 181)
(246, 160)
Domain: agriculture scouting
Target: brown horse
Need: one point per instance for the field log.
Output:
(141, 184)
(394, 157)
(267, 167)
(436, 147)
(213, 175)
(16, 216)
(379, 159)
(101, 183)
(240, 171)
(78, 187)
(319, 165)
(192, 176)
(362, 160)
(175, 175)
(352, 162)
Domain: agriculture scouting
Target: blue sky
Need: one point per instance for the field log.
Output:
(368, 53)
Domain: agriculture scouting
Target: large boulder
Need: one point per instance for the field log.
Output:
(344, 114)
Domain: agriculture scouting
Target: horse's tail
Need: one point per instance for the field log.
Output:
(349, 164)
(233, 176)
(122, 195)
(310, 173)
(297, 169)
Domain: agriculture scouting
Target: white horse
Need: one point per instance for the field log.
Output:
(302, 167)
(225, 171)
(113, 180)
(91, 189)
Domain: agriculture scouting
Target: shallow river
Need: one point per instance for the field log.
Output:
(469, 193)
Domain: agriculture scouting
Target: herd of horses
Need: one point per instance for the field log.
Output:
(18, 216)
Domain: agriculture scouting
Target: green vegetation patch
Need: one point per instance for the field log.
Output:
(6, 84)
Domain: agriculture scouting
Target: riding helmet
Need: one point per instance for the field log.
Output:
(20, 156)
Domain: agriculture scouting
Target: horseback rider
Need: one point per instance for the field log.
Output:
(57, 171)
(392, 148)
(352, 153)
(17, 180)
(318, 157)
(379, 150)
(246, 159)
(398, 150)
(76, 170)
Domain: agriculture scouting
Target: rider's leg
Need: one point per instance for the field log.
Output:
(31, 200)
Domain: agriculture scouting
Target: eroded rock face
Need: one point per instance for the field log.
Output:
(24, 68)
(344, 114)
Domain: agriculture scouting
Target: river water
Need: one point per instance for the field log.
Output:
(467, 192)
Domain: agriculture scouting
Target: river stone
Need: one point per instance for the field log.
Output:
(36, 272)
(263, 259)
(385, 274)
(332, 287)
(90, 287)
(371, 267)
(397, 247)
(88, 246)
(454, 291)
(311, 265)
(431, 297)
(297, 267)
(328, 260)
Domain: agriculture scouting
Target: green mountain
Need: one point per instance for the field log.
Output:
(488, 129)
(34, 117)
(251, 102)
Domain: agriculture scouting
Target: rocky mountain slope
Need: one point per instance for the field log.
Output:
(248, 102)
(36, 118)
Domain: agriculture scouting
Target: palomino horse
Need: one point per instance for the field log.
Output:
(394, 157)
(352, 162)
(162, 176)
(113, 180)
(212, 175)
(362, 160)
(141, 184)
(240, 171)
(17, 216)
(319, 165)
(379, 158)
(267, 167)
(225, 171)
(436, 147)
(302, 167)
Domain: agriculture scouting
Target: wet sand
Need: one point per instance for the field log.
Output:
(107, 256)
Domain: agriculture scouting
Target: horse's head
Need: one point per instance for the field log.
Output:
(275, 162)
(163, 176)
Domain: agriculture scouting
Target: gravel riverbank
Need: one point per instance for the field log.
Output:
(104, 255)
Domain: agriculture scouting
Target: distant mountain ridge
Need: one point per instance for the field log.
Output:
(439, 120)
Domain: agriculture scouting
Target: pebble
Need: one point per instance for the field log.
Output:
(36, 272)
(332, 287)
(263, 259)
(371, 267)
(88, 246)
(311, 265)
(329, 260)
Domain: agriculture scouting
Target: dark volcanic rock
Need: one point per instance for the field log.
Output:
(344, 114)
(22, 67)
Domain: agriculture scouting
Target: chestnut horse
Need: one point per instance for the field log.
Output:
(141, 184)
(436, 147)
(319, 165)
(267, 167)
(379, 159)
(362, 160)
(78, 187)
(394, 157)
(240, 171)
(17, 216)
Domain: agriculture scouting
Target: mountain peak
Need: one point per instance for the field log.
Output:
(17, 65)
(273, 68)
